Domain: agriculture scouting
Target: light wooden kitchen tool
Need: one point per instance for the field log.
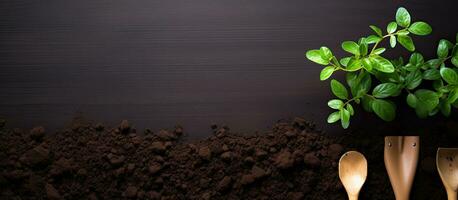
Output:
(352, 173)
(447, 165)
(401, 158)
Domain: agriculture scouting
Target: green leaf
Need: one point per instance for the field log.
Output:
(442, 49)
(445, 108)
(406, 42)
(384, 109)
(373, 39)
(409, 67)
(364, 85)
(412, 100)
(392, 41)
(402, 17)
(449, 75)
(434, 111)
(350, 109)
(427, 101)
(433, 63)
(453, 95)
(455, 61)
(367, 63)
(403, 32)
(359, 84)
(455, 51)
(326, 72)
(431, 74)
(344, 61)
(363, 48)
(367, 103)
(420, 28)
(352, 79)
(345, 118)
(351, 47)
(382, 64)
(339, 89)
(416, 59)
(334, 117)
(385, 90)
(335, 104)
(438, 84)
(379, 51)
(325, 53)
(413, 79)
(391, 28)
(353, 65)
(377, 30)
(315, 56)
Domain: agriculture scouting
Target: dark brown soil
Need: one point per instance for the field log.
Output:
(292, 161)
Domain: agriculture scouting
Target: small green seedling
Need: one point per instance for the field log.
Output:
(429, 86)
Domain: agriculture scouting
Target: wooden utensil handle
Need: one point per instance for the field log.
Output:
(353, 197)
(451, 195)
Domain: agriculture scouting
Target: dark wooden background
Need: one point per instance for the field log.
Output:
(159, 63)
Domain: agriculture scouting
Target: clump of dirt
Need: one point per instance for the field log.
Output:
(291, 161)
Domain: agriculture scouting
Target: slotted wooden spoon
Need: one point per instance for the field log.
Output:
(447, 165)
(353, 173)
(401, 158)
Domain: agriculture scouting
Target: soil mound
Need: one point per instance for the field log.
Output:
(291, 161)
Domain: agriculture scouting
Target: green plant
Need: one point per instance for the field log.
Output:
(366, 67)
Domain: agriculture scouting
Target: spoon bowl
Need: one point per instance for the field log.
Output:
(352, 173)
(447, 165)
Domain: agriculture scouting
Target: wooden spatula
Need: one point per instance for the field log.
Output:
(401, 158)
(447, 165)
(353, 173)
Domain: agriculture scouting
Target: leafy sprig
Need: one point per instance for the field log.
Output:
(372, 80)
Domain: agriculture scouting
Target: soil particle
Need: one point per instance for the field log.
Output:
(154, 168)
(131, 192)
(310, 159)
(99, 127)
(247, 179)
(249, 161)
(295, 196)
(36, 157)
(17, 175)
(158, 147)
(167, 135)
(284, 160)
(227, 156)
(224, 184)
(124, 127)
(205, 153)
(178, 130)
(61, 166)
(290, 134)
(258, 172)
(52, 192)
(37, 133)
(115, 160)
(335, 150)
(153, 195)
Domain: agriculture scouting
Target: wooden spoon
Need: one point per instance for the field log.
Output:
(401, 158)
(447, 165)
(352, 173)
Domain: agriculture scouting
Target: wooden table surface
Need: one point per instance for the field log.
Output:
(159, 63)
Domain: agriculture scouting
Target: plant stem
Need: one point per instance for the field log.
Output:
(385, 36)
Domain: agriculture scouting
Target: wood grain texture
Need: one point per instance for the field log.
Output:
(159, 63)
